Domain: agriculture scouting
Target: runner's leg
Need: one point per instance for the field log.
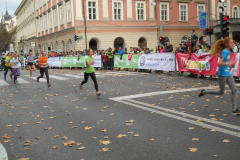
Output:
(222, 83)
(86, 75)
(41, 73)
(232, 86)
(6, 71)
(33, 67)
(15, 74)
(47, 75)
(93, 76)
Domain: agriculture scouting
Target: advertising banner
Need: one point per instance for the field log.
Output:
(157, 61)
(55, 61)
(73, 62)
(124, 62)
(205, 65)
(97, 61)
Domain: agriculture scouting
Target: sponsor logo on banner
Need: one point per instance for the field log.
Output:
(198, 65)
(142, 61)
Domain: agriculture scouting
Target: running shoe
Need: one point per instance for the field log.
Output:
(49, 85)
(202, 93)
(98, 93)
(37, 79)
(80, 86)
(11, 76)
(235, 112)
(15, 82)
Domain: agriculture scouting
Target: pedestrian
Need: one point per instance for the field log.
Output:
(105, 60)
(194, 38)
(30, 62)
(235, 47)
(8, 66)
(89, 71)
(15, 66)
(110, 59)
(169, 47)
(43, 65)
(224, 75)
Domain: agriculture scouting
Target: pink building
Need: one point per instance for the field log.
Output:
(114, 23)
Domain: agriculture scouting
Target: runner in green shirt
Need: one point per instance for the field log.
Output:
(89, 71)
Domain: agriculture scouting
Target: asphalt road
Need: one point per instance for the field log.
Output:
(137, 117)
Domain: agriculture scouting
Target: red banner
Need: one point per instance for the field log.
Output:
(204, 65)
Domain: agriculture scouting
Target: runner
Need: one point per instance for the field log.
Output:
(15, 67)
(30, 62)
(89, 71)
(7, 66)
(43, 65)
(224, 74)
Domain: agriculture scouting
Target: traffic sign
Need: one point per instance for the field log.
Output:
(205, 39)
(11, 45)
(33, 44)
(203, 20)
(222, 7)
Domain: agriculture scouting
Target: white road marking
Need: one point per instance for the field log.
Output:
(22, 81)
(70, 75)
(58, 77)
(183, 119)
(40, 80)
(3, 83)
(186, 114)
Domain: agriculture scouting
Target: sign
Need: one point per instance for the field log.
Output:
(222, 7)
(55, 61)
(33, 44)
(205, 39)
(11, 49)
(124, 62)
(11, 45)
(157, 61)
(203, 20)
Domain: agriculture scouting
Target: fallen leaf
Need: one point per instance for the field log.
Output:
(195, 139)
(65, 137)
(79, 144)
(87, 128)
(105, 149)
(74, 126)
(37, 122)
(104, 130)
(211, 115)
(6, 136)
(112, 114)
(193, 149)
(54, 147)
(56, 136)
(81, 148)
(213, 130)
(104, 142)
(48, 128)
(37, 137)
(25, 123)
(214, 155)
(85, 109)
(136, 135)
(121, 135)
(191, 128)
(24, 159)
(226, 141)
(208, 100)
(94, 137)
(152, 139)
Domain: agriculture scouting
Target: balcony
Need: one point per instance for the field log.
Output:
(230, 20)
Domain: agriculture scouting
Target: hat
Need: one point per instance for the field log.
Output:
(110, 48)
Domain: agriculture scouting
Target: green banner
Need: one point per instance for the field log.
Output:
(125, 63)
(73, 62)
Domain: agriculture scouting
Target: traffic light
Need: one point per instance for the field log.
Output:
(161, 40)
(210, 31)
(224, 23)
(75, 37)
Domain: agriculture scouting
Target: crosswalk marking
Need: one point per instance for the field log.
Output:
(3, 83)
(22, 81)
(71, 75)
(58, 77)
(40, 80)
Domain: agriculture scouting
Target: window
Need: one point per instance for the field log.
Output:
(55, 17)
(235, 12)
(117, 12)
(68, 12)
(183, 12)
(164, 11)
(200, 9)
(50, 19)
(92, 10)
(61, 14)
(140, 11)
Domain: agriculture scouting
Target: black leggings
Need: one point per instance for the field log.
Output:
(6, 70)
(42, 71)
(93, 76)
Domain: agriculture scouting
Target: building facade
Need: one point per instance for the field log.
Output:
(26, 26)
(114, 23)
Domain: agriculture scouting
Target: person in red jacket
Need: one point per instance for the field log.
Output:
(105, 60)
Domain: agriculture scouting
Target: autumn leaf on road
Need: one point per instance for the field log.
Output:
(48, 128)
(226, 141)
(105, 149)
(6, 136)
(54, 147)
(193, 149)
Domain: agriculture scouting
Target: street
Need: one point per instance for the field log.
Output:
(139, 116)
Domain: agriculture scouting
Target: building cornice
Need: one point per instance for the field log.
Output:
(183, 1)
(200, 2)
(20, 7)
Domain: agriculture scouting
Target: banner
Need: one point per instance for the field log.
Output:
(73, 62)
(97, 60)
(157, 61)
(204, 65)
(124, 62)
(55, 61)
(235, 70)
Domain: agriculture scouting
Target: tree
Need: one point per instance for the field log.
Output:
(5, 37)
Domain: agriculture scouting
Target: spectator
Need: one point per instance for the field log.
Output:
(169, 47)
(180, 46)
(235, 47)
(188, 42)
(120, 51)
(177, 50)
(110, 58)
(194, 49)
(84, 53)
(208, 49)
(194, 38)
(147, 51)
(162, 49)
(126, 51)
(199, 51)
(184, 48)
(105, 61)
(157, 50)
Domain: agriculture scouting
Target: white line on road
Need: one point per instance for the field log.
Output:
(186, 114)
(58, 77)
(3, 83)
(40, 80)
(182, 119)
(71, 75)
(22, 81)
